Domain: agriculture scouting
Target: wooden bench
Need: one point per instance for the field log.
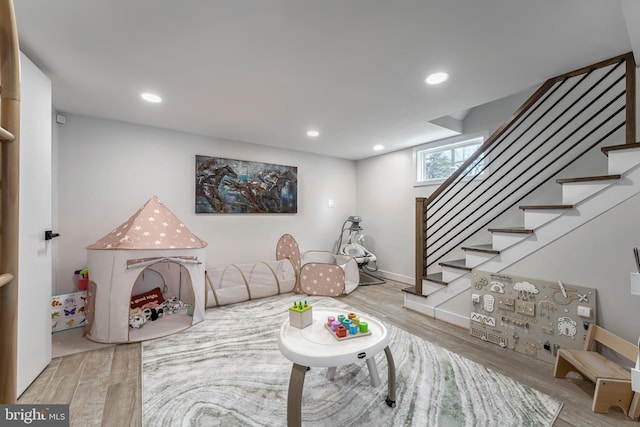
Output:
(613, 382)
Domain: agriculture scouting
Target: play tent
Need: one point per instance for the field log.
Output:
(148, 261)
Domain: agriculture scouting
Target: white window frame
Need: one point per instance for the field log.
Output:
(442, 145)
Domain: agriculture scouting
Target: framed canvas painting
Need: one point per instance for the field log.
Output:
(239, 186)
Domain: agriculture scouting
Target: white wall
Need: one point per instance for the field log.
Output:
(386, 203)
(107, 170)
(386, 194)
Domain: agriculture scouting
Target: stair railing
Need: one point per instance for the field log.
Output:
(9, 188)
(567, 117)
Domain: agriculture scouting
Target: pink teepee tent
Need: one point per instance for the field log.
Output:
(151, 253)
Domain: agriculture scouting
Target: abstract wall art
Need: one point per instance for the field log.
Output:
(239, 186)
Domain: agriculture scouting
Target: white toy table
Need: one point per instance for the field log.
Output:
(315, 346)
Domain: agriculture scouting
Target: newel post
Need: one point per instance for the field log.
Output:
(420, 243)
(631, 99)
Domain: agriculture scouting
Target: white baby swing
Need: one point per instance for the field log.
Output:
(353, 247)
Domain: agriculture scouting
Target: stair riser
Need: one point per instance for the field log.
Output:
(621, 161)
(446, 293)
(537, 218)
(429, 287)
(575, 192)
(419, 304)
(502, 241)
(474, 259)
(450, 274)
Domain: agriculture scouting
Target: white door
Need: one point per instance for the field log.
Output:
(35, 265)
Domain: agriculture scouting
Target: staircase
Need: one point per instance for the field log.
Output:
(583, 199)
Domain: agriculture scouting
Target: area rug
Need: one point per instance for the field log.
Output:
(228, 371)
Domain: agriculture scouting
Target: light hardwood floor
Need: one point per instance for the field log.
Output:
(103, 386)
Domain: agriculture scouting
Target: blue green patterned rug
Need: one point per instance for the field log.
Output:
(228, 371)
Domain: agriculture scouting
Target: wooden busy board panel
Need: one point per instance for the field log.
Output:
(533, 317)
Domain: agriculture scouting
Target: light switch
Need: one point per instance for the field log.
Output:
(584, 311)
(331, 203)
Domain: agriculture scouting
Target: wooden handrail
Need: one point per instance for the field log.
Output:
(9, 200)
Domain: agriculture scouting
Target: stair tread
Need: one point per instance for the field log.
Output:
(606, 150)
(456, 263)
(515, 230)
(412, 290)
(436, 278)
(5, 135)
(588, 178)
(531, 207)
(486, 248)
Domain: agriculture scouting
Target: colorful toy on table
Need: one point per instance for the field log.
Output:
(347, 326)
(300, 315)
(341, 331)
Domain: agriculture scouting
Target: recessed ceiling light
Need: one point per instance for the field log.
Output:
(150, 97)
(378, 147)
(436, 78)
(313, 133)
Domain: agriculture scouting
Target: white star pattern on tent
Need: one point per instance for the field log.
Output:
(149, 228)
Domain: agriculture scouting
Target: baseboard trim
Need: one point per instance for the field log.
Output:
(453, 318)
(395, 277)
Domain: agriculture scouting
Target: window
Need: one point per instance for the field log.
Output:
(434, 164)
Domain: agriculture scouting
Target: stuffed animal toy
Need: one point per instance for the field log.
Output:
(136, 312)
(136, 322)
(172, 305)
(153, 313)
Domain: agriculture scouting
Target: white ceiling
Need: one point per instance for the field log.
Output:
(265, 71)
